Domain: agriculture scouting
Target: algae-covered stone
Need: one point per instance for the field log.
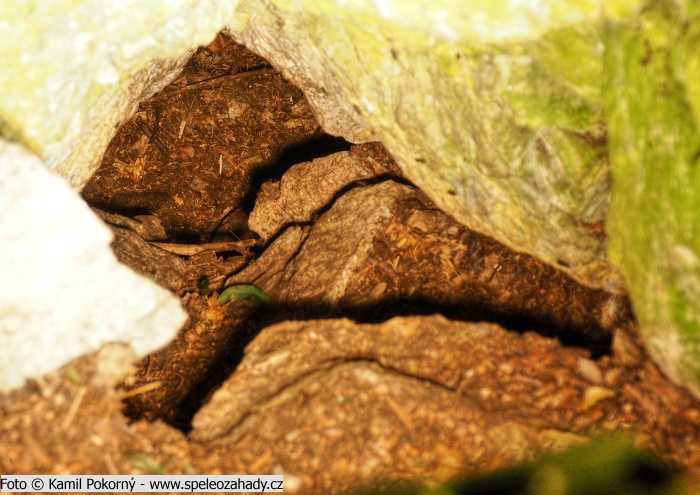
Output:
(653, 101)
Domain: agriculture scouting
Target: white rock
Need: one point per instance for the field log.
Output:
(62, 291)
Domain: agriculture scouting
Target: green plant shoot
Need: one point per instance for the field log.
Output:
(243, 292)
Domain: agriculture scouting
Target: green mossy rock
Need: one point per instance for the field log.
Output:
(652, 97)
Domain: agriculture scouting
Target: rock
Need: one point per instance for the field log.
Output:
(377, 392)
(62, 292)
(338, 246)
(165, 269)
(506, 132)
(653, 100)
(147, 227)
(385, 248)
(318, 182)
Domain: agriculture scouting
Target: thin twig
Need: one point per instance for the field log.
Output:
(241, 247)
(142, 389)
(73, 408)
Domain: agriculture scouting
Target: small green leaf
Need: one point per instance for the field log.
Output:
(144, 461)
(245, 292)
(73, 375)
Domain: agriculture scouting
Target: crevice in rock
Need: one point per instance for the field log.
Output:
(350, 237)
(318, 145)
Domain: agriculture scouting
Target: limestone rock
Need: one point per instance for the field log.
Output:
(502, 125)
(62, 291)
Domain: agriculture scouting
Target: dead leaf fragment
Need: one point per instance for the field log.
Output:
(595, 394)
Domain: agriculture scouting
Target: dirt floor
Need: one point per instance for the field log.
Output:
(398, 345)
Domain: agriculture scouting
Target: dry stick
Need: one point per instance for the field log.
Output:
(148, 387)
(155, 138)
(208, 82)
(73, 408)
(192, 249)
